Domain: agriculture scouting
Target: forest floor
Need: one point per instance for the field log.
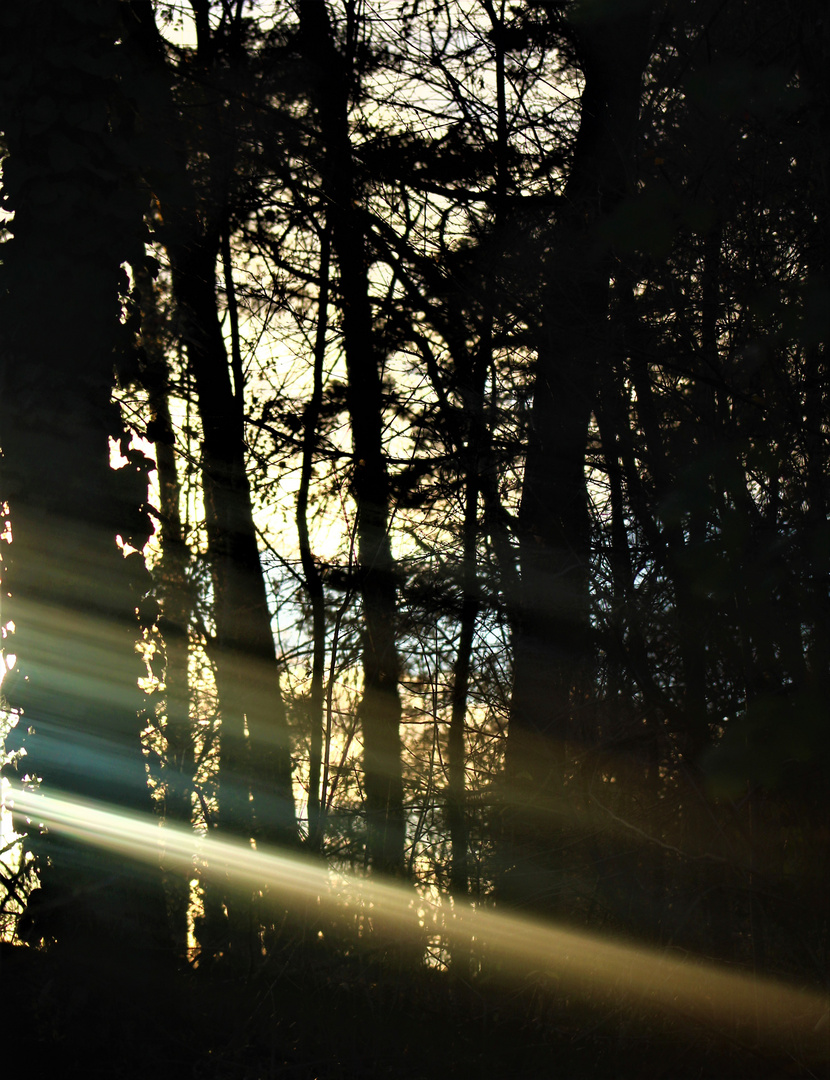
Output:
(310, 1016)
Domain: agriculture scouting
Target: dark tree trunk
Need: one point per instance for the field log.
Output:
(255, 753)
(550, 717)
(69, 590)
(311, 572)
(255, 757)
(254, 796)
(457, 753)
(380, 708)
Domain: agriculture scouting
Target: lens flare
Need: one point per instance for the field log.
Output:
(761, 1012)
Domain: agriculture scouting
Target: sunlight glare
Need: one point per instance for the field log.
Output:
(586, 966)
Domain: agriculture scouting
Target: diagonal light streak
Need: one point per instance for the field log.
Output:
(762, 1012)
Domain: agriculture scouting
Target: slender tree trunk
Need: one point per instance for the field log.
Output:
(176, 599)
(470, 606)
(255, 753)
(313, 578)
(174, 625)
(380, 708)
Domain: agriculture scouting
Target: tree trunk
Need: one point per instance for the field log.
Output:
(380, 708)
(255, 760)
(175, 595)
(311, 572)
(69, 590)
(552, 647)
(255, 753)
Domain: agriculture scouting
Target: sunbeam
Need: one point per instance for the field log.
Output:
(760, 1011)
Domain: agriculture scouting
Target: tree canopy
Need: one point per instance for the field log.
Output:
(414, 430)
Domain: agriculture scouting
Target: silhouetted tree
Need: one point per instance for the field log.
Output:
(71, 590)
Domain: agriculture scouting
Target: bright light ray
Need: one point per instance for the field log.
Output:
(762, 1012)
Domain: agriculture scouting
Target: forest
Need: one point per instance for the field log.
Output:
(415, 557)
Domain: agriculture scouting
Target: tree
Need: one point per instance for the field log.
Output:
(550, 712)
(196, 211)
(380, 710)
(493, 357)
(71, 590)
